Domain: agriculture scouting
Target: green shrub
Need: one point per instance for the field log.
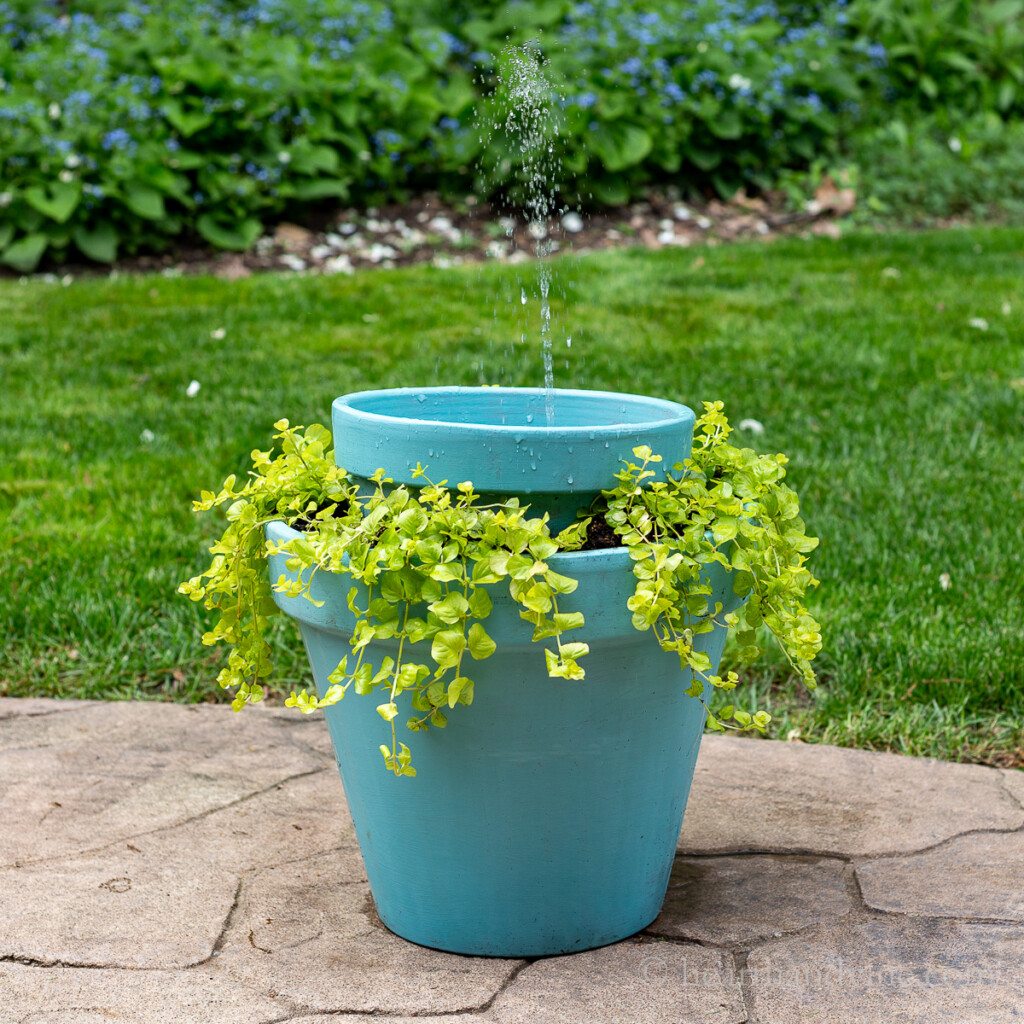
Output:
(963, 56)
(931, 170)
(126, 125)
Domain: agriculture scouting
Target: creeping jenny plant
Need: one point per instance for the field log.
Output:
(422, 563)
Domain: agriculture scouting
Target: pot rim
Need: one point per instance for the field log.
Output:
(673, 412)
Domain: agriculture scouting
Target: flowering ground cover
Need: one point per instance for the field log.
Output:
(897, 391)
(131, 126)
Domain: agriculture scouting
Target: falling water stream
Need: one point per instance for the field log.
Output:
(527, 98)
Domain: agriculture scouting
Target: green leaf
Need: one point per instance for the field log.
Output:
(25, 254)
(704, 159)
(57, 202)
(387, 711)
(542, 547)
(144, 201)
(362, 680)
(451, 609)
(574, 650)
(412, 522)
(1002, 11)
(6, 234)
(610, 191)
(320, 188)
(447, 647)
(480, 644)
(238, 237)
(560, 584)
(726, 124)
(460, 691)
(480, 603)
(98, 243)
(188, 122)
(565, 621)
(620, 145)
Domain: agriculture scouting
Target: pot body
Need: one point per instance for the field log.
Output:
(544, 818)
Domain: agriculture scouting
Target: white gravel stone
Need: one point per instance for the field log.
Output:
(378, 253)
(341, 264)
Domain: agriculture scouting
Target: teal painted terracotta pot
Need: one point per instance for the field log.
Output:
(544, 818)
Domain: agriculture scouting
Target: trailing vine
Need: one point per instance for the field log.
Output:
(422, 563)
(725, 506)
(437, 549)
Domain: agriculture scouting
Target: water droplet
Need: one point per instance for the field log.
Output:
(570, 478)
(423, 398)
(533, 465)
(570, 449)
(529, 417)
(523, 297)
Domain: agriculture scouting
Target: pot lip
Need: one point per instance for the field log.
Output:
(675, 412)
(602, 558)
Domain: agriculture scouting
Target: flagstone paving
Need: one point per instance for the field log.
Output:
(161, 863)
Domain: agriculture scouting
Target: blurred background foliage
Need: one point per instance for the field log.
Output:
(129, 126)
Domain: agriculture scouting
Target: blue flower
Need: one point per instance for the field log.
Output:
(116, 139)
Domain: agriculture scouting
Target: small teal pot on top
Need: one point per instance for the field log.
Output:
(500, 439)
(544, 818)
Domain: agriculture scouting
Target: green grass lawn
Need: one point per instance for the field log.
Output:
(904, 423)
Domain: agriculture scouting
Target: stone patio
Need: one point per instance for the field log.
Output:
(160, 863)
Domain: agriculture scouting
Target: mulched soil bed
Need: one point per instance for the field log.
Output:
(427, 230)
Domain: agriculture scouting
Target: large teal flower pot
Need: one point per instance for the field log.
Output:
(544, 818)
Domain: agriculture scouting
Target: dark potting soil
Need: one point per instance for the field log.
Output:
(600, 536)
